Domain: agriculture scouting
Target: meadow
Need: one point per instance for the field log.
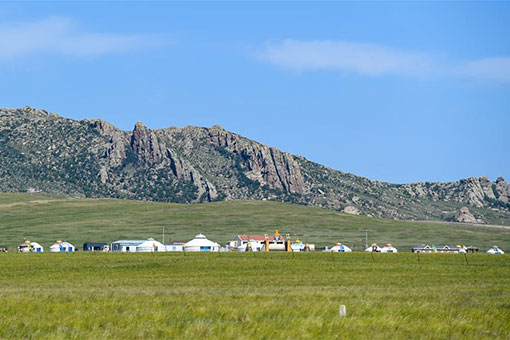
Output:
(45, 219)
(243, 295)
(254, 296)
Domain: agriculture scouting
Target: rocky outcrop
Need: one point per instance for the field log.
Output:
(115, 148)
(465, 216)
(474, 191)
(502, 190)
(351, 210)
(264, 164)
(145, 145)
(28, 111)
(486, 187)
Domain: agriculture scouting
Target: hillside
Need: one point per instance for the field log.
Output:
(92, 158)
(47, 218)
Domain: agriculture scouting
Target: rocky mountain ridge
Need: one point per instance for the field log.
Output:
(93, 158)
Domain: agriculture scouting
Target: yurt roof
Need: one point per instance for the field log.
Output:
(64, 244)
(150, 243)
(340, 246)
(201, 241)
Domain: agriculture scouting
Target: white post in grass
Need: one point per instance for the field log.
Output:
(342, 311)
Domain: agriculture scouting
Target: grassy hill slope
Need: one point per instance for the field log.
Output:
(45, 218)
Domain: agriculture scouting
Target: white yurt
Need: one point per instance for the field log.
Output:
(150, 246)
(201, 243)
(389, 249)
(374, 248)
(495, 250)
(61, 247)
(30, 247)
(462, 249)
(340, 248)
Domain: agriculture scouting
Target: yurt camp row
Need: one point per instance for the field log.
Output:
(199, 243)
(242, 243)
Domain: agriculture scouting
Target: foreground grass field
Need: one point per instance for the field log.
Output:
(253, 296)
(45, 219)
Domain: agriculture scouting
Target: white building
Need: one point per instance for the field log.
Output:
(389, 249)
(340, 248)
(495, 250)
(61, 247)
(374, 248)
(249, 242)
(30, 247)
(201, 243)
(176, 246)
(441, 249)
(141, 246)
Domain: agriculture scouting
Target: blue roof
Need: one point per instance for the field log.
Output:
(438, 246)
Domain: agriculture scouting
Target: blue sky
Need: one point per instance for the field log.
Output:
(393, 91)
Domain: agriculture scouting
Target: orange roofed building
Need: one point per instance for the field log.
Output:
(257, 242)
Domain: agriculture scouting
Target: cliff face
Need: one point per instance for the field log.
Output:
(93, 158)
(263, 164)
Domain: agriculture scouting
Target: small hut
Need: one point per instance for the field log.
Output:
(389, 249)
(30, 247)
(125, 246)
(139, 246)
(62, 247)
(495, 251)
(95, 246)
(175, 246)
(374, 248)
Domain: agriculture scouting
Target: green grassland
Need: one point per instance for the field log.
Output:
(253, 296)
(243, 295)
(47, 218)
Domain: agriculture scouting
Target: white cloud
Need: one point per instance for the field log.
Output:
(366, 59)
(488, 68)
(376, 60)
(60, 35)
